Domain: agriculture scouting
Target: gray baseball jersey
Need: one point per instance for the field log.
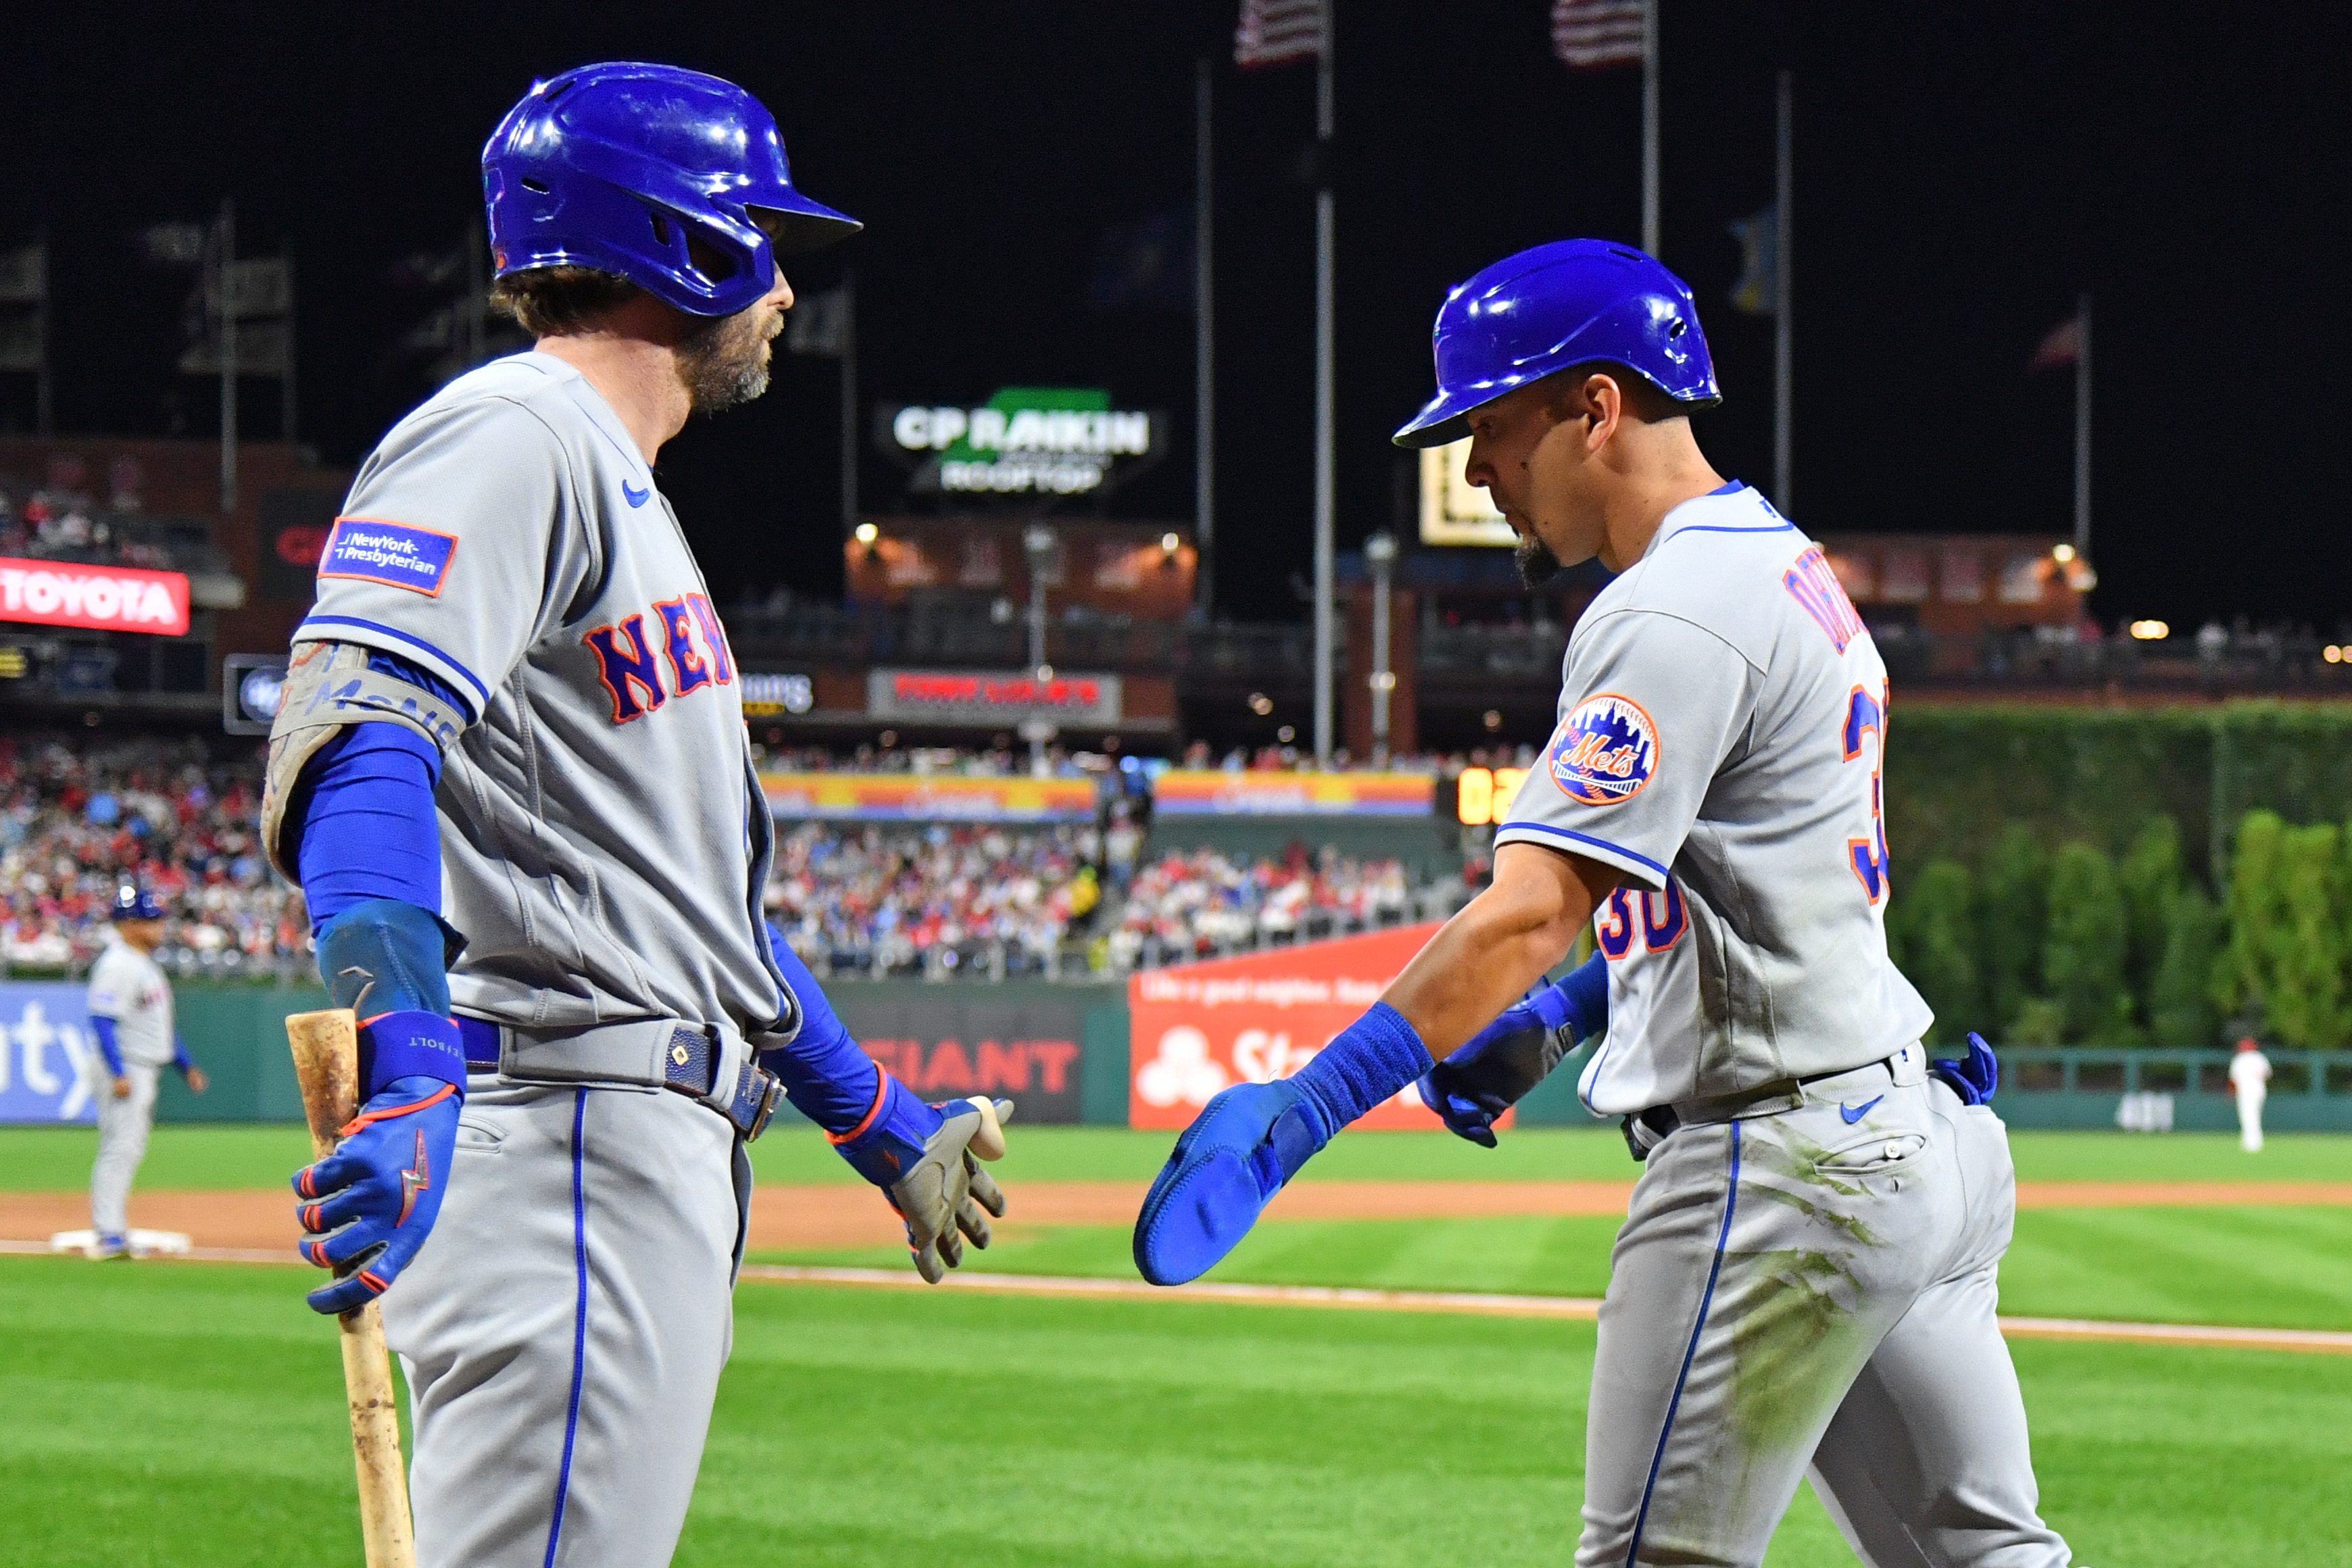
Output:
(128, 986)
(603, 839)
(1722, 724)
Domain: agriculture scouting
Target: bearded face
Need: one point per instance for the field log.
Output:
(724, 361)
(1535, 560)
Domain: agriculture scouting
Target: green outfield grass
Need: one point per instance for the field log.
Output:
(191, 1416)
(40, 1159)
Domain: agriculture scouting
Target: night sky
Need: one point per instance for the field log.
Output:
(1962, 172)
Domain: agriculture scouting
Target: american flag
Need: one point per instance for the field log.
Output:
(1592, 35)
(1276, 32)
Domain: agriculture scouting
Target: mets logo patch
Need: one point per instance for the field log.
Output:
(1605, 751)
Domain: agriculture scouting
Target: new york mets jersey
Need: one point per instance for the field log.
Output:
(604, 838)
(129, 987)
(1721, 736)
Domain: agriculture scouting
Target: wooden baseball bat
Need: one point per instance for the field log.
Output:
(327, 1062)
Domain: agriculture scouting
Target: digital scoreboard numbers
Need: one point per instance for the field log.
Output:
(1481, 797)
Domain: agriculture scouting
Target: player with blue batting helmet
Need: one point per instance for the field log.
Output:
(1572, 302)
(674, 180)
(133, 903)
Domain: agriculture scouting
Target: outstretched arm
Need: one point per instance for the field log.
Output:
(1253, 1138)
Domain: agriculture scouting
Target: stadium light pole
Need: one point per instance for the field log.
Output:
(1037, 540)
(1650, 202)
(1380, 554)
(1326, 430)
(1204, 346)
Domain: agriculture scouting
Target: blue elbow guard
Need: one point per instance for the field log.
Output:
(828, 1078)
(388, 960)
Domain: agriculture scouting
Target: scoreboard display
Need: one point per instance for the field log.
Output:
(1481, 797)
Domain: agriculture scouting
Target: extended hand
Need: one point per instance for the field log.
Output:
(941, 1196)
(925, 1158)
(373, 1201)
(197, 1081)
(122, 1089)
(1493, 1070)
(1239, 1152)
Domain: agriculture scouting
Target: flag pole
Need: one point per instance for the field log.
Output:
(1784, 297)
(2083, 427)
(42, 407)
(1650, 126)
(224, 265)
(1204, 345)
(285, 381)
(848, 405)
(1326, 433)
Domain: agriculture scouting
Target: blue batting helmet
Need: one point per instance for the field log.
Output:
(615, 166)
(1567, 303)
(133, 903)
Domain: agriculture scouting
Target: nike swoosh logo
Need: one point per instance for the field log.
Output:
(416, 1179)
(1853, 1113)
(635, 496)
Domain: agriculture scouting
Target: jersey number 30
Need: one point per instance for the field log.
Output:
(1866, 715)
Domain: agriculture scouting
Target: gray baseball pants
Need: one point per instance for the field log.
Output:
(1813, 1291)
(123, 1127)
(563, 1328)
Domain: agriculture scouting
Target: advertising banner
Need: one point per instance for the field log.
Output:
(1201, 1028)
(1211, 793)
(101, 598)
(990, 697)
(49, 1065)
(927, 797)
(1026, 1051)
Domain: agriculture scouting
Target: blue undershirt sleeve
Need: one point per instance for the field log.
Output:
(180, 1057)
(103, 1027)
(364, 816)
(829, 1078)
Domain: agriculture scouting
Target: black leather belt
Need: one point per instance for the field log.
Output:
(689, 1065)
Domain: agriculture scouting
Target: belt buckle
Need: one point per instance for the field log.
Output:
(764, 1091)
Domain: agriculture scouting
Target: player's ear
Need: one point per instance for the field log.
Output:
(1604, 406)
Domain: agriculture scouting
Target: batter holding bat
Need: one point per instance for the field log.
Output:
(511, 775)
(1805, 1280)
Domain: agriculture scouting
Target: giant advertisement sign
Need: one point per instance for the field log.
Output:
(927, 797)
(1209, 793)
(101, 598)
(1026, 1051)
(49, 1065)
(1201, 1028)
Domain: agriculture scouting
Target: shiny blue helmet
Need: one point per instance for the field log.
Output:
(619, 166)
(1567, 303)
(133, 903)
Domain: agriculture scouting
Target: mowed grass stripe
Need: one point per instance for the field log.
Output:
(886, 1429)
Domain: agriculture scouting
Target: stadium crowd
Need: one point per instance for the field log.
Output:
(78, 818)
(1186, 906)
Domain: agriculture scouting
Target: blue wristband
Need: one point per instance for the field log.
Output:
(394, 1045)
(1373, 1057)
(886, 1145)
(1582, 999)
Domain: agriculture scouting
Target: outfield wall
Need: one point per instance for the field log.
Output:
(1062, 1054)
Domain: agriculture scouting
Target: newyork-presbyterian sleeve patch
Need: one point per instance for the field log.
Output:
(399, 554)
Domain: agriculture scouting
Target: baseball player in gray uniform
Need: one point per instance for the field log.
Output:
(511, 775)
(129, 1003)
(1806, 1278)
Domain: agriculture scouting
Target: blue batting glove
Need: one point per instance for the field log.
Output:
(372, 1202)
(1472, 1088)
(1975, 1079)
(1253, 1138)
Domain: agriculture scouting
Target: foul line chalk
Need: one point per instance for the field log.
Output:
(2306, 1341)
